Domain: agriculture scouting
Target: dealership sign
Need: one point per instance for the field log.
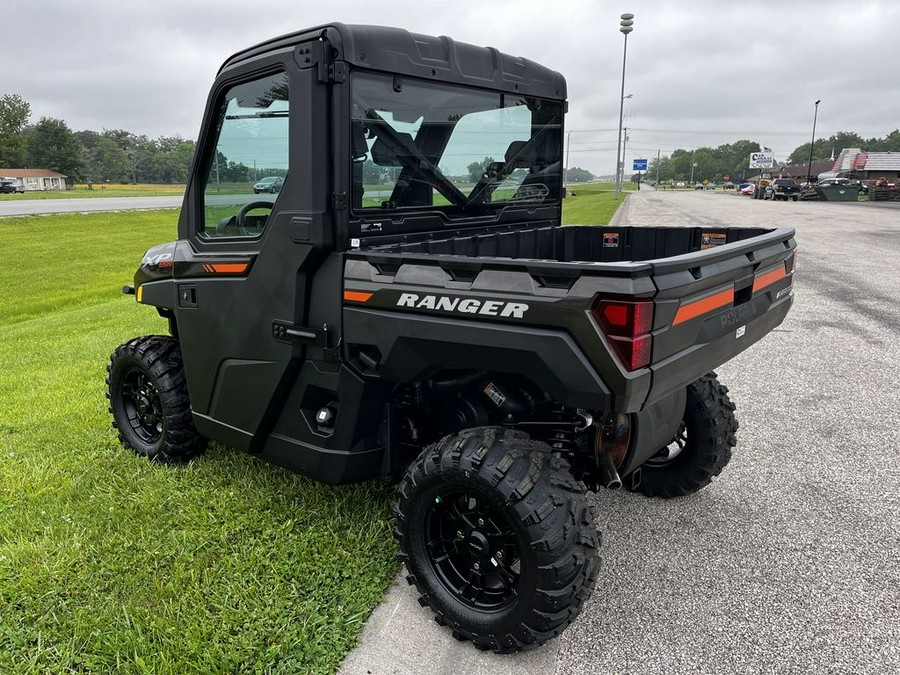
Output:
(762, 160)
(639, 165)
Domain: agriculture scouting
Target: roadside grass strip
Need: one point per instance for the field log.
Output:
(592, 203)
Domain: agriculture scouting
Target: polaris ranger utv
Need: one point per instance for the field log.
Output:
(408, 307)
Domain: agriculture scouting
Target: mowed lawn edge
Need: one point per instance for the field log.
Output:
(110, 563)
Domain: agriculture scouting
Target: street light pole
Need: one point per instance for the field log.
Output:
(811, 143)
(626, 25)
(568, 150)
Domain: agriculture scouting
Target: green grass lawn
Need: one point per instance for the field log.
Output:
(111, 564)
(592, 203)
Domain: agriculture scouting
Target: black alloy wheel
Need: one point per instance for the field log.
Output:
(498, 538)
(142, 405)
(473, 548)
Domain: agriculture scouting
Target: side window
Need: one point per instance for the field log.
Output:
(248, 168)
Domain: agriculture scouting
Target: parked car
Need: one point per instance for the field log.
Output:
(9, 187)
(782, 188)
(728, 185)
(270, 184)
(746, 188)
(710, 186)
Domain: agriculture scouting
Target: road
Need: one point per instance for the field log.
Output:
(27, 207)
(789, 562)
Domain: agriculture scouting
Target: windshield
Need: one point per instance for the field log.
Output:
(423, 144)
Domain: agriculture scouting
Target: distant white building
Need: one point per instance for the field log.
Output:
(35, 179)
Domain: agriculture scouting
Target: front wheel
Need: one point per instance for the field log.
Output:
(149, 402)
(700, 450)
(498, 538)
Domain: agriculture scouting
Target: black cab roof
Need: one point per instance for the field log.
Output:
(395, 50)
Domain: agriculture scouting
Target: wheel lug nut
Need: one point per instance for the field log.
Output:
(459, 534)
(481, 522)
(476, 566)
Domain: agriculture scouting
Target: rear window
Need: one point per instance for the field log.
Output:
(458, 150)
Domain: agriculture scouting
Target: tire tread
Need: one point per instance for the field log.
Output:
(542, 495)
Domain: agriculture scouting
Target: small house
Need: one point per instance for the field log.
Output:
(36, 179)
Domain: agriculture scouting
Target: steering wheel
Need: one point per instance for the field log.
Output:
(236, 225)
(241, 216)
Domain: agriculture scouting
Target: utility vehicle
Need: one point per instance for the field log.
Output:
(408, 307)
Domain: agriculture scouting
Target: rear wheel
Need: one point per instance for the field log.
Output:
(149, 402)
(701, 448)
(498, 538)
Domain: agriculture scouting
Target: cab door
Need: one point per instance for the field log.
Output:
(247, 251)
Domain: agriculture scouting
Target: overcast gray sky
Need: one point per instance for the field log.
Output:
(702, 73)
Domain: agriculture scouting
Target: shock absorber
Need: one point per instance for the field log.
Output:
(562, 435)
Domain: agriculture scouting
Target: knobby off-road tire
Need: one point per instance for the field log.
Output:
(702, 447)
(498, 538)
(149, 402)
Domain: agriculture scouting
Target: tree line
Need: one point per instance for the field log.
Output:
(120, 156)
(732, 159)
(111, 155)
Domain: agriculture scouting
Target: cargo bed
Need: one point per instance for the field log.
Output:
(715, 291)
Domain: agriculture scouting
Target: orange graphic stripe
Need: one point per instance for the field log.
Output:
(769, 278)
(357, 296)
(229, 268)
(703, 305)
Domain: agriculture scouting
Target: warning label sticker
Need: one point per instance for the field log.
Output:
(712, 239)
(610, 239)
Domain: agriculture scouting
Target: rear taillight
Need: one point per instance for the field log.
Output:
(627, 327)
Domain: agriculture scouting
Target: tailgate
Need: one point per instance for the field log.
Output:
(713, 304)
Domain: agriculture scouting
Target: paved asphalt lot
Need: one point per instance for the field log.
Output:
(790, 561)
(27, 207)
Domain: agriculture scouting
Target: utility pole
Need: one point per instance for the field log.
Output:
(568, 151)
(624, 144)
(657, 169)
(811, 144)
(626, 25)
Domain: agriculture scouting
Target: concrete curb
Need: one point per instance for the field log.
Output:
(620, 217)
(401, 638)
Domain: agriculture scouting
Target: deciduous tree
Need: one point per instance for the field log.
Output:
(14, 114)
(52, 145)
